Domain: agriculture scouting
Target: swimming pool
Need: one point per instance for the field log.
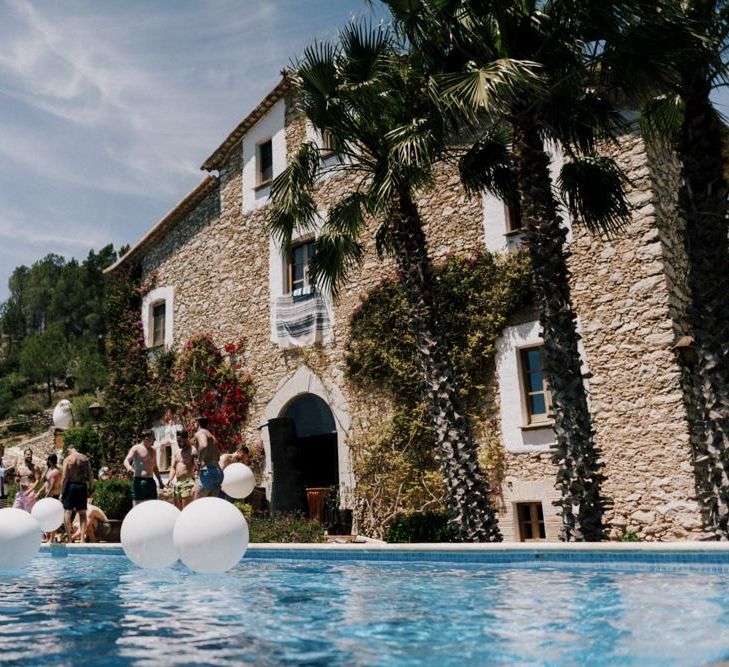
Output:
(404, 608)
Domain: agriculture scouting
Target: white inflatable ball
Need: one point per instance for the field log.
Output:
(20, 538)
(211, 535)
(238, 481)
(62, 414)
(146, 534)
(48, 512)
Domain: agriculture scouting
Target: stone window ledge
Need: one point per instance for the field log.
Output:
(537, 426)
(262, 186)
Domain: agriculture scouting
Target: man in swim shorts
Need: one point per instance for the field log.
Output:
(182, 474)
(141, 461)
(76, 476)
(210, 476)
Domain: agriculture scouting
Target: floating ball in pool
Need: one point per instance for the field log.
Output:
(20, 538)
(238, 481)
(48, 512)
(146, 534)
(211, 535)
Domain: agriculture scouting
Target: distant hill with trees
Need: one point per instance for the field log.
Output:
(52, 327)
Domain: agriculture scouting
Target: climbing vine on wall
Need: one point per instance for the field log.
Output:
(394, 459)
(133, 399)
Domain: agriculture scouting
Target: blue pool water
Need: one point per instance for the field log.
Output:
(101, 610)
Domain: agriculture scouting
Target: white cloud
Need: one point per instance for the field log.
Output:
(108, 109)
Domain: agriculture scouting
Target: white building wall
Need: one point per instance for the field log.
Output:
(271, 126)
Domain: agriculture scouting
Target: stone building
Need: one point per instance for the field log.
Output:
(218, 271)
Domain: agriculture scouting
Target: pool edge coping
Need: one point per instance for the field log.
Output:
(496, 547)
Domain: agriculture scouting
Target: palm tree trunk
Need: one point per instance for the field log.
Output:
(475, 517)
(578, 477)
(703, 201)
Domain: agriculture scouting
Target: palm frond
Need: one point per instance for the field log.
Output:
(661, 118)
(492, 86)
(487, 165)
(292, 205)
(363, 50)
(593, 190)
(338, 247)
(592, 118)
(415, 144)
(316, 71)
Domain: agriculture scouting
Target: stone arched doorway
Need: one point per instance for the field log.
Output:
(309, 411)
(304, 451)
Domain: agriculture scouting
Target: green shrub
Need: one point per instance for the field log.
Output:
(293, 527)
(421, 527)
(627, 536)
(80, 407)
(87, 441)
(114, 497)
(28, 405)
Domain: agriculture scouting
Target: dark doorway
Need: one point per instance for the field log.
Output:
(303, 452)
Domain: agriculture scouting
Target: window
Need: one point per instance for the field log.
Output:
(536, 394)
(512, 214)
(327, 144)
(299, 261)
(531, 521)
(159, 312)
(265, 162)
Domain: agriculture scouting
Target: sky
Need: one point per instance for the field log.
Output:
(108, 109)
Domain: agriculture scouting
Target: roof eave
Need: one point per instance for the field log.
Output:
(217, 158)
(203, 189)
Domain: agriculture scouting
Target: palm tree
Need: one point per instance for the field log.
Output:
(461, 43)
(365, 96)
(681, 52)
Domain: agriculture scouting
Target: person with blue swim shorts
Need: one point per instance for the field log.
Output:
(210, 475)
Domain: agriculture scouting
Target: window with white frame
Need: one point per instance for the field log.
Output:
(157, 317)
(264, 162)
(536, 395)
(299, 261)
(263, 152)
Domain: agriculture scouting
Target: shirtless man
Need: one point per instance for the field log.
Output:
(96, 525)
(208, 456)
(183, 471)
(52, 480)
(76, 477)
(29, 469)
(52, 485)
(141, 461)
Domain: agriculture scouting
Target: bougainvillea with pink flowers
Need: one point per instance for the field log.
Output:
(211, 382)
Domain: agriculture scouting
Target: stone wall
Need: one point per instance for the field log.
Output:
(622, 296)
(216, 258)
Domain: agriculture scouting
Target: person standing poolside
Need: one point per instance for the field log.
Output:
(29, 469)
(210, 477)
(52, 485)
(141, 461)
(76, 477)
(52, 481)
(6, 470)
(182, 475)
